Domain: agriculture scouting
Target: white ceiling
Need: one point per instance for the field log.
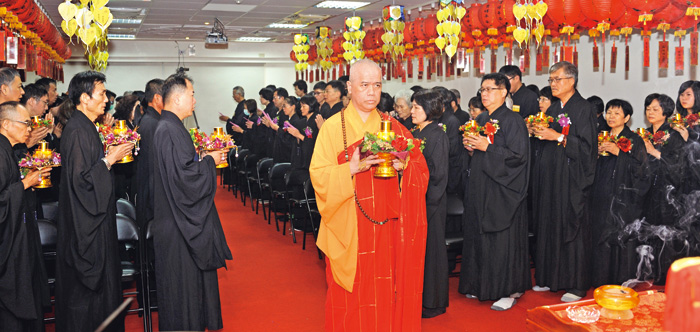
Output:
(178, 19)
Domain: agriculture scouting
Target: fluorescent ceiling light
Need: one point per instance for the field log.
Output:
(287, 26)
(115, 36)
(341, 4)
(126, 21)
(125, 9)
(222, 7)
(253, 39)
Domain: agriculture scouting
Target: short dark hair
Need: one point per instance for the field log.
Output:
(301, 85)
(597, 103)
(547, 93)
(45, 82)
(311, 101)
(272, 87)
(500, 79)
(416, 88)
(344, 78)
(320, 85)
(456, 93)
(386, 103)
(175, 83)
(666, 103)
(569, 68)
(623, 104)
(430, 101)
(8, 110)
(476, 103)
(123, 109)
(111, 94)
(282, 92)
(339, 86)
(293, 101)
(7, 75)
(511, 71)
(695, 86)
(153, 87)
(447, 97)
(251, 105)
(534, 88)
(33, 91)
(266, 94)
(84, 82)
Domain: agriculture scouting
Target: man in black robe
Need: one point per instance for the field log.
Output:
(237, 119)
(22, 276)
(563, 178)
(88, 269)
(188, 239)
(495, 251)
(451, 124)
(263, 135)
(144, 165)
(524, 100)
(462, 115)
(333, 103)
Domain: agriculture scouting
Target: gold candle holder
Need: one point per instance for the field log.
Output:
(386, 168)
(120, 128)
(642, 132)
(43, 152)
(604, 136)
(617, 301)
(219, 132)
(35, 121)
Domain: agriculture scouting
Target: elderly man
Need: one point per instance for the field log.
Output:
(10, 85)
(495, 235)
(373, 230)
(36, 101)
(21, 269)
(402, 106)
(563, 176)
(238, 96)
(50, 85)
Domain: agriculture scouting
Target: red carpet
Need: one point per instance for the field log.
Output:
(274, 285)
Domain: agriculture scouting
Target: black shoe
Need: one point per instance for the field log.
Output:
(433, 312)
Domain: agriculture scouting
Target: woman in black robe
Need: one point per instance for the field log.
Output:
(125, 174)
(666, 169)
(305, 131)
(267, 134)
(495, 264)
(284, 142)
(426, 110)
(621, 181)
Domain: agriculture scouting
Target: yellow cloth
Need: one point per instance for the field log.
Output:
(337, 236)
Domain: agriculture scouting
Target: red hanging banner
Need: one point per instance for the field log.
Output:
(2, 46)
(409, 67)
(575, 56)
(627, 58)
(494, 61)
(613, 57)
(318, 75)
(663, 55)
(347, 70)
(526, 63)
(538, 60)
(438, 65)
(31, 58)
(334, 73)
(448, 67)
(388, 71)
(568, 53)
(596, 58)
(694, 48)
(646, 52)
(679, 59)
(421, 66)
(477, 57)
(21, 55)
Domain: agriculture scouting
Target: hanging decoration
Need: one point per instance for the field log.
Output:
(88, 21)
(324, 47)
(646, 8)
(532, 14)
(353, 39)
(300, 48)
(449, 28)
(394, 25)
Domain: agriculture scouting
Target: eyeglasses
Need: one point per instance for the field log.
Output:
(26, 123)
(316, 93)
(543, 99)
(557, 79)
(488, 90)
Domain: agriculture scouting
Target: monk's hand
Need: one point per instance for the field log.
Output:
(467, 145)
(652, 150)
(358, 166)
(294, 132)
(681, 130)
(34, 177)
(478, 142)
(319, 121)
(219, 156)
(37, 135)
(50, 117)
(547, 134)
(116, 153)
(399, 165)
(609, 147)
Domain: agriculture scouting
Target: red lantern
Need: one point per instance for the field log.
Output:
(602, 10)
(684, 23)
(488, 14)
(409, 35)
(628, 20)
(565, 12)
(472, 18)
(430, 27)
(646, 6)
(504, 13)
(338, 45)
(669, 15)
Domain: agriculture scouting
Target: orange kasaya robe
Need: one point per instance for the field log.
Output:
(374, 272)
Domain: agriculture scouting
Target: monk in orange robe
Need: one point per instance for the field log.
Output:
(374, 253)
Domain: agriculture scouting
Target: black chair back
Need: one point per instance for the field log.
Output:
(126, 208)
(263, 168)
(127, 230)
(250, 163)
(47, 232)
(454, 205)
(277, 176)
(50, 210)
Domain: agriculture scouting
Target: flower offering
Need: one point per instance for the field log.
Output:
(471, 128)
(38, 122)
(42, 158)
(119, 134)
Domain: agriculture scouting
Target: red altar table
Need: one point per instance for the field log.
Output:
(648, 317)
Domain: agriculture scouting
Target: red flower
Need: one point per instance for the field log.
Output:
(489, 129)
(399, 144)
(692, 119)
(624, 144)
(659, 135)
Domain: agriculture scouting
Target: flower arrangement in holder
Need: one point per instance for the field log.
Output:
(117, 135)
(644, 134)
(490, 129)
(386, 145)
(308, 132)
(624, 144)
(39, 122)
(42, 158)
(471, 128)
(218, 141)
(539, 121)
(676, 120)
(604, 136)
(660, 137)
(691, 120)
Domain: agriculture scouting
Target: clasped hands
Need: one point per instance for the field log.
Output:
(37, 134)
(609, 147)
(475, 142)
(359, 166)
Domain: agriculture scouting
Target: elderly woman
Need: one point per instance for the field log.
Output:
(617, 194)
(425, 111)
(664, 150)
(402, 107)
(494, 254)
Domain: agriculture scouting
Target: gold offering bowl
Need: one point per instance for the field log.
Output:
(617, 301)
(385, 169)
(43, 152)
(603, 137)
(641, 132)
(219, 132)
(120, 129)
(35, 120)
(540, 122)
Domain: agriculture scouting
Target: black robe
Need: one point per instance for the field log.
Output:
(563, 180)
(188, 239)
(327, 111)
(307, 145)
(691, 186)
(408, 122)
(616, 200)
(495, 260)
(666, 182)
(462, 115)
(23, 283)
(88, 268)
(144, 167)
(237, 118)
(258, 138)
(435, 279)
(270, 134)
(455, 180)
(284, 142)
(527, 102)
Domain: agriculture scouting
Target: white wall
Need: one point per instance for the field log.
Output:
(254, 65)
